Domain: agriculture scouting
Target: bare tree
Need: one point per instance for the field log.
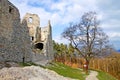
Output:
(87, 37)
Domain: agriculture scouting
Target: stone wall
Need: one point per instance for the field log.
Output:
(14, 37)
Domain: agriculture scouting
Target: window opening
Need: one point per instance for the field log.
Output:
(10, 9)
(30, 20)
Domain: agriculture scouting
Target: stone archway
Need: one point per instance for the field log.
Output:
(39, 46)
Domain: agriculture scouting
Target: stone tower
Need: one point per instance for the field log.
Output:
(41, 38)
(33, 23)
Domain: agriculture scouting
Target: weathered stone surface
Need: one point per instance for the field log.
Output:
(29, 73)
(14, 37)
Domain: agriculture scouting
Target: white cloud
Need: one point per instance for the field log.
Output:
(114, 35)
(59, 39)
(66, 11)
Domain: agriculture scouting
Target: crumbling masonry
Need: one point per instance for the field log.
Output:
(41, 37)
(23, 41)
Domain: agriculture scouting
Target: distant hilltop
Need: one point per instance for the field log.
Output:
(118, 50)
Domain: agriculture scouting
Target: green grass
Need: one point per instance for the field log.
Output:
(104, 76)
(67, 71)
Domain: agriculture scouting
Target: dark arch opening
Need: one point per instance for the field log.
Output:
(39, 46)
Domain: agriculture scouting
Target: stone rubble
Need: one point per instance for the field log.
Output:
(29, 73)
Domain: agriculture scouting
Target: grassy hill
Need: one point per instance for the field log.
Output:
(67, 71)
(104, 76)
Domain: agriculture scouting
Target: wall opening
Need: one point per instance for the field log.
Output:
(31, 38)
(30, 19)
(10, 9)
(39, 46)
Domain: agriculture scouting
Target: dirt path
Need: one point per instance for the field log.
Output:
(92, 75)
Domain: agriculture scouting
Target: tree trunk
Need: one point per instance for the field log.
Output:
(86, 66)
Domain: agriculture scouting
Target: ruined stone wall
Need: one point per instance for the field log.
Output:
(33, 22)
(50, 42)
(14, 37)
(46, 35)
(41, 36)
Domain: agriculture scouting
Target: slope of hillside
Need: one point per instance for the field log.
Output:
(9, 71)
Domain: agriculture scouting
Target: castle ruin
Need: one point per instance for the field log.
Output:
(23, 40)
(41, 37)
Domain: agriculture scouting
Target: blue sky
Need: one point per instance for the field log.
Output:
(62, 12)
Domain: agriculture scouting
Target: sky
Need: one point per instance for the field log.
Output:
(63, 12)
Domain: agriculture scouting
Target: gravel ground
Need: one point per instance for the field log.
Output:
(92, 75)
(29, 73)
